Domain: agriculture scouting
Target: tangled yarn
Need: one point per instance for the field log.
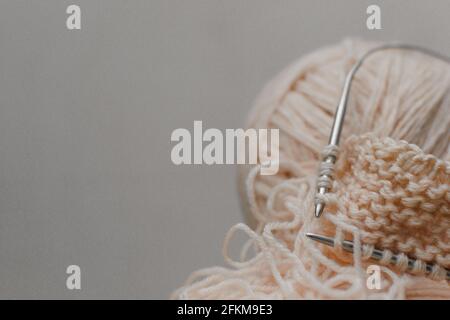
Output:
(391, 186)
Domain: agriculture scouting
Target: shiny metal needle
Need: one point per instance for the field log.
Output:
(377, 254)
(342, 106)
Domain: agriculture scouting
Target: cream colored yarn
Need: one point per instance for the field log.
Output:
(387, 192)
(398, 199)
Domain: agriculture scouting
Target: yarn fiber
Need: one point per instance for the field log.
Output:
(391, 187)
(398, 198)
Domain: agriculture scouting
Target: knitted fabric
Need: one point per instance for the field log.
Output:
(399, 199)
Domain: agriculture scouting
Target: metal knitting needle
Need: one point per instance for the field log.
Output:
(377, 254)
(342, 106)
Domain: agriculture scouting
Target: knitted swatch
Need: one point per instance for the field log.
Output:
(399, 199)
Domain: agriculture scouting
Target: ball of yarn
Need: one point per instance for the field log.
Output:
(399, 105)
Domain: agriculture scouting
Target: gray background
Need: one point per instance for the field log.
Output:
(86, 118)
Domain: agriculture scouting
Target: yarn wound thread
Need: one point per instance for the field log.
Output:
(391, 187)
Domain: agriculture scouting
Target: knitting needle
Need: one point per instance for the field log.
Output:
(342, 106)
(377, 254)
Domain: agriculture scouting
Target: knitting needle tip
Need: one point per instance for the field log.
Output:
(319, 209)
(319, 238)
(312, 236)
